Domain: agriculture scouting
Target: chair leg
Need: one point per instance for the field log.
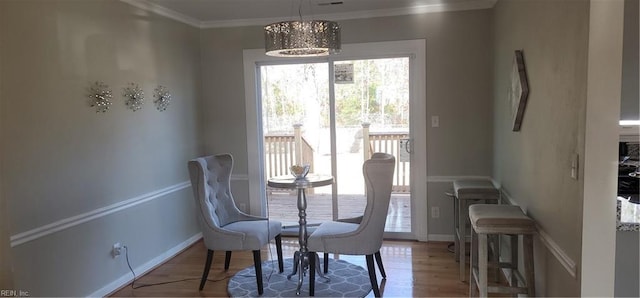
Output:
(379, 261)
(326, 262)
(312, 273)
(257, 262)
(227, 260)
(279, 250)
(372, 275)
(207, 266)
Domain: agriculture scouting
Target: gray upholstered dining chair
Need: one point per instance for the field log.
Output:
(365, 237)
(224, 226)
(378, 257)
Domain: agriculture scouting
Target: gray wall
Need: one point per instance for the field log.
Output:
(458, 87)
(627, 268)
(61, 159)
(630, 104)
(534, 165)
(6, 275)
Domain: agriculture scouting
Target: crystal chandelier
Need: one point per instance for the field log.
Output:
(302, 38)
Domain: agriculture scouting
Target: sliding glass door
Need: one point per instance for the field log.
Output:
(333, 113)
(335, 130)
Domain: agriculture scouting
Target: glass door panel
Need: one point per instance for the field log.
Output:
(295, 126)
(372, 115)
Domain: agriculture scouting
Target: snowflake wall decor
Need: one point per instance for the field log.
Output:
(134, 96)
(163, 97)
(100, 96)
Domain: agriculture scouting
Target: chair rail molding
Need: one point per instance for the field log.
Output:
(454, 178)
(239, 177)
(555, 249)
(72, 221)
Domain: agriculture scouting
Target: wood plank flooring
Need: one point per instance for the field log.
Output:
(282, 206)
(414, 269)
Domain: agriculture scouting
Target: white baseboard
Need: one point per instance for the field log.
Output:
(440, 237)
(146, 267)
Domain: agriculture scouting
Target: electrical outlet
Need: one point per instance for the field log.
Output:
(435, 212)
(435, 121)
(116, 250)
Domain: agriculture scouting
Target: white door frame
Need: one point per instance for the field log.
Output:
(604, 77)
(415, 49)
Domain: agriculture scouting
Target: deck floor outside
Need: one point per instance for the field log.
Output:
(283, 207)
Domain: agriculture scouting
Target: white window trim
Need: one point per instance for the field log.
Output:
(416, 49)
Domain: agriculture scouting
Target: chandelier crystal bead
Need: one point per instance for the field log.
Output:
(302, 38)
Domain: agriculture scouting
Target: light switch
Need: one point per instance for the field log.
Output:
(435, 212)
(575, 164)
(435, 121)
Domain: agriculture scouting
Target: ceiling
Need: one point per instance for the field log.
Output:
(227, 13)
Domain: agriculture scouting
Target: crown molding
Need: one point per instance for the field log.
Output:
(165, 12)
(421, 9)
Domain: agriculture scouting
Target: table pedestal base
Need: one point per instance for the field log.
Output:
(301, 257)
(300, 266)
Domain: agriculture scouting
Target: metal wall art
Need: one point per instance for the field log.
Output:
(519, 90)
(134, 96)
(163, 97)
(100, 96)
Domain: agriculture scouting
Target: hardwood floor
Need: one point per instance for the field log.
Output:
(413, 269)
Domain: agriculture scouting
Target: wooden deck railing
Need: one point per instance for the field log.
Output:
(388, 142)
(284, 150)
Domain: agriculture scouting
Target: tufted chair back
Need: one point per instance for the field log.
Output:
(360, 236)
(223, 225)
(365, 237)
(378, 176)
(210, 179)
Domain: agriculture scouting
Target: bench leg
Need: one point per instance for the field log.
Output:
(472, 260)
(463, 216)
(514, 260)
(528, 264)
(456, 225)
(482, 265)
